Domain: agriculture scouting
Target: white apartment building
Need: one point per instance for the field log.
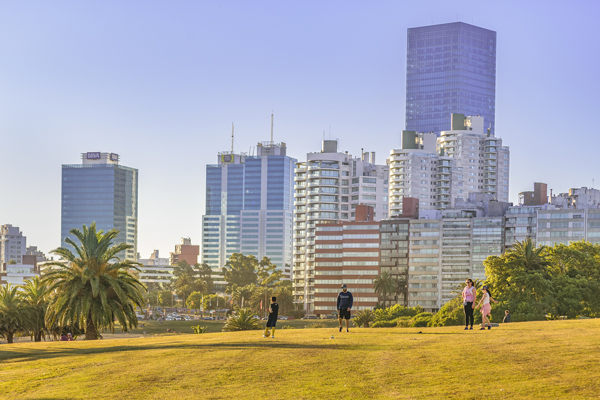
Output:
(155, 269)
(327, 188)
(582, 197)
(17, 274)
(567, 225)
(444, 252)
(440, 170)
(520, 224)
(12, 244)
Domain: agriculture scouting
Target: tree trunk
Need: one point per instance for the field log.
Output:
(90, 329)
(9, 337)
(37, 336)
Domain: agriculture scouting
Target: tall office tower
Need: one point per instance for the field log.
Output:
(12, 244)
(450, 68)
(439, 172)
(328, 187)
(101, 190)
(249, 207)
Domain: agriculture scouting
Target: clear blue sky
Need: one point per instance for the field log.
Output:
(161, 82)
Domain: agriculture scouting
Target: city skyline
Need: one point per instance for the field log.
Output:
(80, 88)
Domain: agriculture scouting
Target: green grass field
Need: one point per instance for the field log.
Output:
(541, 360)
(185, 327)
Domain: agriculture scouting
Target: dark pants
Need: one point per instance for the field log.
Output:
(469, 313)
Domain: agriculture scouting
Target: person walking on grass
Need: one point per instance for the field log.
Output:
(469, 295)
(486, 308)
(344, 304)
(272, 320)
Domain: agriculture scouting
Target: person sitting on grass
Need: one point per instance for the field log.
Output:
(69, 337)
(486, 308)
(507, 317)
(64, 338)
(272, 320)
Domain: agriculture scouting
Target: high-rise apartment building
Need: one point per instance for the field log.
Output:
(329, 186)
(450, 68)
(520, 224)
(249, 207)
(440, 171)
(12, 244)
(101, 190)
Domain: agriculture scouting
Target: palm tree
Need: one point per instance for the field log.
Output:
(401, 288)
(244, 320)
(95, 287)
(14, 312)
(260, 297)
(35, 293)
(530, 257)
(364, 318)
(242, 295)
(384, 284)
(285, 299)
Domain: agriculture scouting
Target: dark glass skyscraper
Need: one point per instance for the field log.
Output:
(101, 190)
(450, 68)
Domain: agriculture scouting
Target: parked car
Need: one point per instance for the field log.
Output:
(331, 317)
(311, 317)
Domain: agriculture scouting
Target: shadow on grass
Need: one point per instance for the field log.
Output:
(38, 354)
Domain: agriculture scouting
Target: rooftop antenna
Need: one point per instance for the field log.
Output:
(232, 138)
(271, 127)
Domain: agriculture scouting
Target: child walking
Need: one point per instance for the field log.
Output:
(272, 320)
(486, 308)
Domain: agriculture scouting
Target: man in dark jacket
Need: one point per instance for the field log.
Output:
(344, 304)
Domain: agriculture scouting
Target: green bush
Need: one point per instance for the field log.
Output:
(316, 325)
(421, 320)
(451, 314)
(364, 318)
(384, 324)
(199, 329)
(396, 311)
(287, 327)
(244, 321)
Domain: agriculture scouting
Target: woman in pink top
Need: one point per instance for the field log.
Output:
(486, 308)
(469, 295)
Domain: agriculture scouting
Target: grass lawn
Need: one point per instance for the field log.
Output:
(185, 327)
(540, 360)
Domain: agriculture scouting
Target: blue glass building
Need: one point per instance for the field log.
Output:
(101, 190)
(249, 202)
(450, 68)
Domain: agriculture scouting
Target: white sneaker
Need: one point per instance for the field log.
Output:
(272, 337)
(264, 336)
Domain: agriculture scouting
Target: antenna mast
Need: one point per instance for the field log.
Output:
(271, 127)
(232, 138)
